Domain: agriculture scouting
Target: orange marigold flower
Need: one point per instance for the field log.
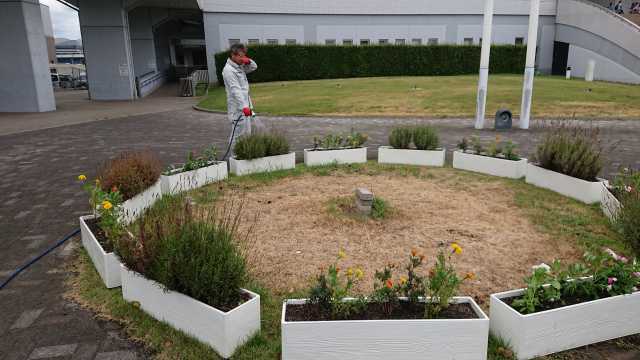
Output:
(470, 276)
(414, 252)
(389, 284)
(114, 189)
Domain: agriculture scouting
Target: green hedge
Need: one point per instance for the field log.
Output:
(309, 62)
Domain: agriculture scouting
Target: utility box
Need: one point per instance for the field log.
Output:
(504, 119)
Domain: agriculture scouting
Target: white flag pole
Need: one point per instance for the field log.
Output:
(484, 64)
(530, 68)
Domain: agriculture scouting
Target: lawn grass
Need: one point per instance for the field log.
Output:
(580, 224)
(438, 97)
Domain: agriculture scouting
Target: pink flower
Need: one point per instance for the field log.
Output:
(637, 274)
(611, 280)
(616, 256)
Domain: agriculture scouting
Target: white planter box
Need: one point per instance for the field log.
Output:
(389, 155)
(458, 339)
(586, 191)
(265, 164)
(224, 332)
(610, 205)
(107, 264)
(341, 156)
(565, 328)
(135, 206)
(490, 165)
(184, 181)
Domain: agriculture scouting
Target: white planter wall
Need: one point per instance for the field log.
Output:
(610, 205)
(341, 156)
(265, 164)
(586, 191)
(135, 206)
(184, 181)
(107, 264)
(490, 165)
(463, 339)
(389, 155)
(224, 332)
(565, 328)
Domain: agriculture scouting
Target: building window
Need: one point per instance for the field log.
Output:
(519, 41)
(468, 41)
(383, 41)
(347, 42)
(290, 41)
(433, 41)
(364, 42)
(400, 42)
(272, 41)
(234, 41)
(416, 41)
(253, 41)
(330, 42)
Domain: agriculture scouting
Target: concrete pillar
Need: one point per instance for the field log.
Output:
(142, 43)
(25, 80)
(484, 64)
(107, 47)
(212, 41)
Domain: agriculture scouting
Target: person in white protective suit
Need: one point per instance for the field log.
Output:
(239, 106)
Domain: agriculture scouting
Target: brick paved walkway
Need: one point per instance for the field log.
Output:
(40, 202)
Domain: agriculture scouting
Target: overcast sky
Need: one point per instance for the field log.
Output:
(65, 20)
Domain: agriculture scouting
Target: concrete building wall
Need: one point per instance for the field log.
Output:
(374, 7)
(25, 80)
(107, 46)
(220, 28)
(606, 69)
(48, 32)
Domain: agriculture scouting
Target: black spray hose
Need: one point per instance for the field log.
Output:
(24, 267)
(233, 132)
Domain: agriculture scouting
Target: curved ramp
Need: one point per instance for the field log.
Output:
(595, 32)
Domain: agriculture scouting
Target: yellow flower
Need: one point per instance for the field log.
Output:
(107, 205)
(359, 273)
(403, 280)
(456, 248)
(349, 272)
(82, 178)
(341, 254)
(97, 181)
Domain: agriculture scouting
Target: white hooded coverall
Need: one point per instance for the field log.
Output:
(237, 87)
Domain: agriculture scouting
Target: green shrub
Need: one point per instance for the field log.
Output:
(309, 62)
(196, 255)
(130, 173)
(627, 190)
(571, 150)
(400, 138)
(338, 141)
(260, 145)
(425, 138)
(380, 208)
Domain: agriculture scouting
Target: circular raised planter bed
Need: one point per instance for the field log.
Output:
(107, 264)
(514, 169)
(178, 181)
(589, 192)
(460, 339)
(317, 157)
(265, 164)
(223, 331)
(564, 328)
(389, 155)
